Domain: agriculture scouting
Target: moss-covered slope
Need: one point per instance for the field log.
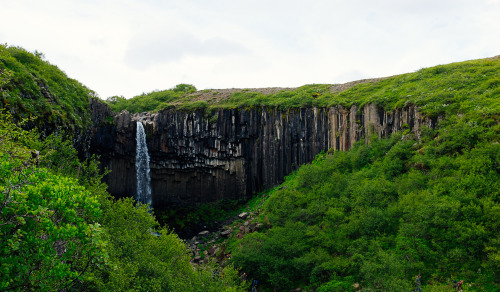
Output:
(32, 87)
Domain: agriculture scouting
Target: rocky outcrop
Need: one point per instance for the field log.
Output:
(204, 156)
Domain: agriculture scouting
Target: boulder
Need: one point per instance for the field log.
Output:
(211, 250)
(204, 233)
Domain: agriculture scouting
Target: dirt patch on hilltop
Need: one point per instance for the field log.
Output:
(224, 94)
(336, 88)
(218, 95)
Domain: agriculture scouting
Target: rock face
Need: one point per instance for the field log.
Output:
(198, 157)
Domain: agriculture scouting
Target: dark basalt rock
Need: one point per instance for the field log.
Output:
(198, 157)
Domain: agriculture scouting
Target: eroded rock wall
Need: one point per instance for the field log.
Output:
(199, 156)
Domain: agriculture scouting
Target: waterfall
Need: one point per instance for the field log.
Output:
(142, 165)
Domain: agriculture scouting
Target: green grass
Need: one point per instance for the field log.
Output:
(153, 101)
(32, 87)
(458, 88)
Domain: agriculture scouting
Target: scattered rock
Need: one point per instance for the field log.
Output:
(204, 233)
(259, 227)
(214, 246)
(211, 250)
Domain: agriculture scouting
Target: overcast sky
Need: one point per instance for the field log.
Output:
(129, 47)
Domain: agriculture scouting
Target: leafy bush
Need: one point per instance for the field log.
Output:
(61, 230)
(382, 213)
(48, 222)
(185, 88)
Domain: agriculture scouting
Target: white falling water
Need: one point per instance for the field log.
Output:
(142, 166)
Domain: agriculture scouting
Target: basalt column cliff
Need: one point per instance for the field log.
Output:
(203, 156)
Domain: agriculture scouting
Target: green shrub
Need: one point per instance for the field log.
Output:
(382, 213)
(61, 230)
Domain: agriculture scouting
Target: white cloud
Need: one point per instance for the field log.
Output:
(153, 49)
(127, 47)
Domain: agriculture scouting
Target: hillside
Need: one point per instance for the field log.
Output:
(32, 87)
(60, 229)
(415, 202)
(378, 215)
(470, 86)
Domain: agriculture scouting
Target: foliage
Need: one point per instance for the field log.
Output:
(376, 215)
(185, 88)
(144, 259)
(32, 87)
(48, 226)
(48, 240)
(382, 213)
(60, 229)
